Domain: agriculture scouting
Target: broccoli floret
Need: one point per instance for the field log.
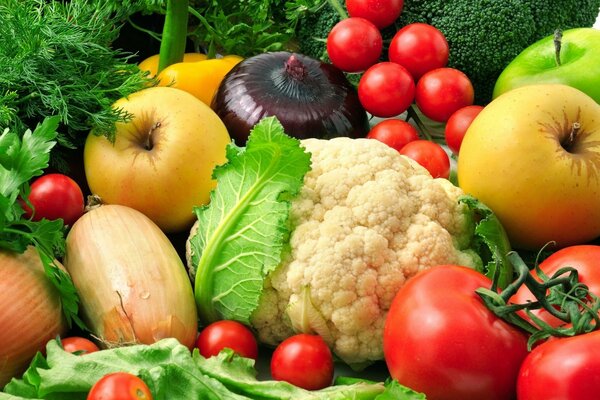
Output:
(313, 28)
(550, 15)
(483, 43)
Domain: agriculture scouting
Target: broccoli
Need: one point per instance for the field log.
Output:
(484, 35)
(313, 28)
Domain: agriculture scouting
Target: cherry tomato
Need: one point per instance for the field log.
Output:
(386, 89)
(381, 13)
(120, 386)
(430, 155)
(584, 258)
(79, 345)
(442, 91)
(231, 334)
(303, 360)
(354, 44)
(420, 48)
(457, 126)
(394, 132)
(55, 196)
(439, 338)
(562, 369)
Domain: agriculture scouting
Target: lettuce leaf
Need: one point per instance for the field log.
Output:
(172, 372)
(243, 231)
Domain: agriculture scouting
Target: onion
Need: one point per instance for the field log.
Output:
(30, 311)
(132, 284)
(309, 97)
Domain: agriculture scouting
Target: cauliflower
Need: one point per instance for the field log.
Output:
(318, 236)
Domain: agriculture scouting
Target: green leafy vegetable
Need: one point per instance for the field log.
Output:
(20, 161)
(59, 61)
(246, 222)
(491, 242)
(172, 372)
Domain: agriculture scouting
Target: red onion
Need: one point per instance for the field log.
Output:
(309, 97)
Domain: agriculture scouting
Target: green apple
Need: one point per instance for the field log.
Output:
(576, 64)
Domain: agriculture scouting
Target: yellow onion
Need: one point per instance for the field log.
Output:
(131, 281)
(30, 311)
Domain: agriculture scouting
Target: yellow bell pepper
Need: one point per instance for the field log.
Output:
(150, 64)
(202, 78)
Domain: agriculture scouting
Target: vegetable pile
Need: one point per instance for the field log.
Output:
(273, 213)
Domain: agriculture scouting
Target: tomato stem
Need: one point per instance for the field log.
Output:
(561, 295)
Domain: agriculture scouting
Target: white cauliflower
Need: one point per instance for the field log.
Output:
(366, 220)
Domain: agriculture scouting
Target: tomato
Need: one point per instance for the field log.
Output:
(79, 345)
(442, 91)
(386, 89)
(55, 196)
(430, 155)
(420, 48)
(303, 360)
(584, 258)
(231, 334)
(394, 132)
(562, 369)
(354, 44)
(120, 386)
(439, 338)
(457, 126)
(381, 13)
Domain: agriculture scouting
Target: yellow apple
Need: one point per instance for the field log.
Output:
(533, 156)
(161, 161)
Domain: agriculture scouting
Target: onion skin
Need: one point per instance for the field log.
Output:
(30, 311)
(309, 97)
(131, 281)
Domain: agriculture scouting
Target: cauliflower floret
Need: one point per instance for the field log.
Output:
(366, 220)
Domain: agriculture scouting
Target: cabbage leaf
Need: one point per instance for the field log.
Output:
(244, 229)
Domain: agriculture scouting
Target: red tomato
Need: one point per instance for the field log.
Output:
(381, 13)
(439, 338)
(386, 89)
(354, 44)
(303, 360)
(394, 132)
(231, 334)
(79, 345)
(430, 155)
(584, 258)
(562, 369)
(420, 48)
(55, 196)
(120, 386)
(457, 126)
(440, 92)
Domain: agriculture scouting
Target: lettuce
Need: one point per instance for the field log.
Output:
(172, 372)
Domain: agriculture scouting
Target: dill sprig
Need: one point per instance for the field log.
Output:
(57, 59)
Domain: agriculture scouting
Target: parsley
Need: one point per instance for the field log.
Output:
(22, 159)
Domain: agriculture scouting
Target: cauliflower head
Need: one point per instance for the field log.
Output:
(366, 220)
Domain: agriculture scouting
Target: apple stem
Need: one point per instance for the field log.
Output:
(557, 45)
(149, 144)
(573, 134)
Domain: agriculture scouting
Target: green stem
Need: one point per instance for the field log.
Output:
(337, 6)
(412, 114)
(172, 45)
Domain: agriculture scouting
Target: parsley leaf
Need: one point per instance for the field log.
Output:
(20, 161)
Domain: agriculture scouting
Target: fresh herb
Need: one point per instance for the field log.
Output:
(57, 59)
(246, 221)
(172, 372)
(20, 161)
